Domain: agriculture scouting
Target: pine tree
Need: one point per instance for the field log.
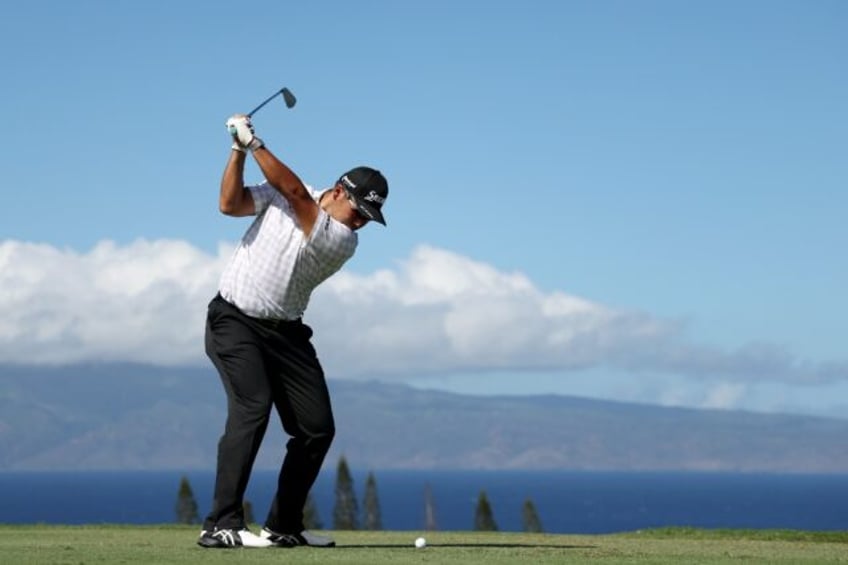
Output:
(530, 517)
(186, 507)
(311, 519)
(371, 519)
(345, 510)
(429, 509)
(484, 520)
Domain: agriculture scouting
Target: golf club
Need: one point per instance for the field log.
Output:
(288, 97)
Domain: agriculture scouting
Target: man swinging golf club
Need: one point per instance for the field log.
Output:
(257, 341)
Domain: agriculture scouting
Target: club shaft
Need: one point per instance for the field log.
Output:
(264, 102)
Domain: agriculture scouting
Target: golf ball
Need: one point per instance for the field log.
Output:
(420, 542)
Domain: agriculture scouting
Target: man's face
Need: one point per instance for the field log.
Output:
(342, 207)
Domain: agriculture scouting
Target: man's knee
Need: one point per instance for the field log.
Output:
(251, 413)
(316, 440)
(323, 438)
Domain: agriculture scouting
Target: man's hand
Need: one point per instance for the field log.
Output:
(241, 129)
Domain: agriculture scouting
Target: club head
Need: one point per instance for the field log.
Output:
(289, 98)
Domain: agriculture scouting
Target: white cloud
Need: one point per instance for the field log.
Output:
(441, 311)
(719, 395)
(436, 312)
(143, 302)
(725, 396)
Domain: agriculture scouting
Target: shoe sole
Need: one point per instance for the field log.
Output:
(215, 544)
(285, 543)
(210, 542)
(291, 540)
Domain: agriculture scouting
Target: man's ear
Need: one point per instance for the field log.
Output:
(333, 194)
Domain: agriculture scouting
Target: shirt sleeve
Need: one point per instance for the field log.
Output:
(262, 194)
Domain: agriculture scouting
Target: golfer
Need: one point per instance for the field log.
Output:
(258, 342)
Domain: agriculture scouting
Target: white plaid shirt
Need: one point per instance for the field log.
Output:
(276, 267)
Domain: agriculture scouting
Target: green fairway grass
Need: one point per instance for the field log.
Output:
(78, 545)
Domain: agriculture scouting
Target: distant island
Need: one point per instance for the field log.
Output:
(127, 416)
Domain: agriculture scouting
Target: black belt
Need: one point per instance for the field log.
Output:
(273, 323)
(277, 324)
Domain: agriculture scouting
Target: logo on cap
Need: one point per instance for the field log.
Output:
(374, 197)
(347, 183)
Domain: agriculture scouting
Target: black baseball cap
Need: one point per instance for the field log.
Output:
(369, 189)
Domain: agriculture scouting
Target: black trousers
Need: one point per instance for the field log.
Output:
(264, 364)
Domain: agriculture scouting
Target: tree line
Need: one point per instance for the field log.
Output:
(347, 514)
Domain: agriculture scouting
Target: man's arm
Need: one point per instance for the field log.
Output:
(235, 199)
(276, 173)
(290, 186)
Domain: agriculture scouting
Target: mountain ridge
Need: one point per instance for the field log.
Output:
(140, 417)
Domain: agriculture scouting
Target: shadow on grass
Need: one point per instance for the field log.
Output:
(465, 545)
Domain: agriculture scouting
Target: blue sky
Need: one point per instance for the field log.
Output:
(633, 200)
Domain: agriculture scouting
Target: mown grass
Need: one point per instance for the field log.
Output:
(727, 534)
(81, 545)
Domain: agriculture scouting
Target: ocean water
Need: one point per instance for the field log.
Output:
(567, 502)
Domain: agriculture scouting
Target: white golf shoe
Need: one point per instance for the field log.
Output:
(229, 538)
(293, 540)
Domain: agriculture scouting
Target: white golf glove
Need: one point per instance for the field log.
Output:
(241, 129)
